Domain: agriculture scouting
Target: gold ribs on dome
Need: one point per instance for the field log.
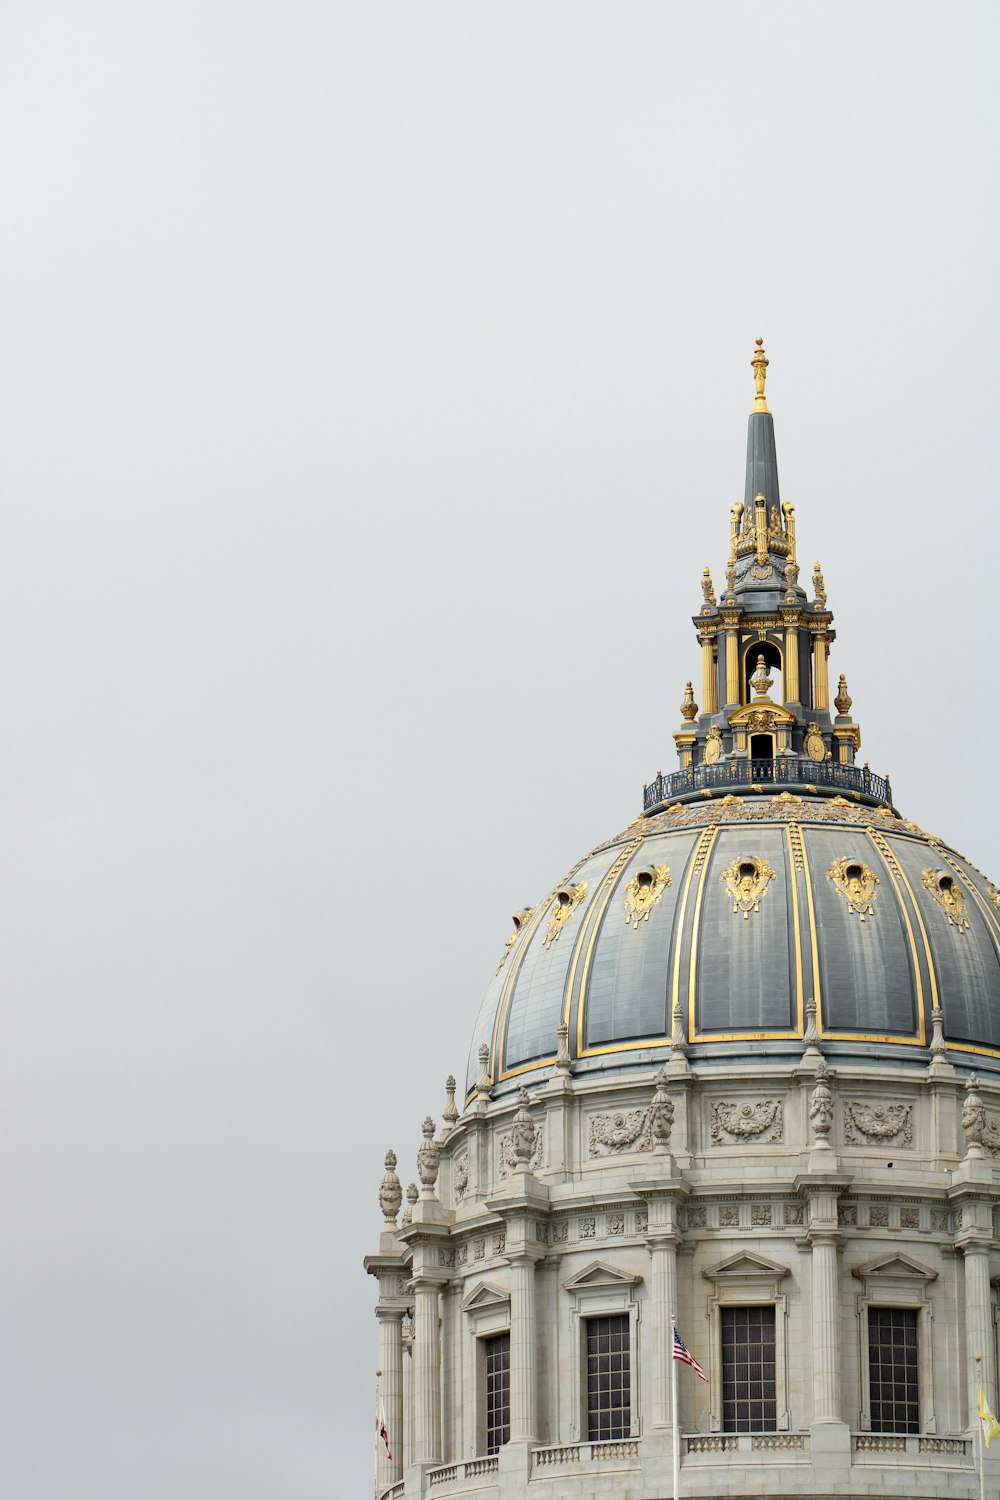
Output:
(643, 892)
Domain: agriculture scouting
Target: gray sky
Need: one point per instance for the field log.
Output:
(374, 390)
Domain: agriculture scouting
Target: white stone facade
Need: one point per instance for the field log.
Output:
(752, 1203)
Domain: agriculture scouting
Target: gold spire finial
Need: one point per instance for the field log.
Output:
(760, 363)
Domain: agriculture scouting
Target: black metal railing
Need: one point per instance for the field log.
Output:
(784, 771)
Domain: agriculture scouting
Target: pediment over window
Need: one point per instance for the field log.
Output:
(899, 1267)
(486, 1295)
(744, 1265)
(600, 1274)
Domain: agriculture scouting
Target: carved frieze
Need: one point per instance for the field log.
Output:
(871, 1123)
(617, 1133)
(746, 1123)
(460, 1176)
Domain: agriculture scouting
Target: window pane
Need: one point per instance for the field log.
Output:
(496, 1353)
(748, 1362)
(892, 1369)
(609, 1413)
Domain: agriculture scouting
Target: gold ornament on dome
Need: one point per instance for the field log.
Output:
(815, 745)
(760, 682)
(842, 702)
(519, 918)
(819, 586)
(567, 901)
(708, 588)
(713, 746)
(949, 896)
(689, 707)
(760, 363)
(643, 892)
(856, 883)
(746, 879)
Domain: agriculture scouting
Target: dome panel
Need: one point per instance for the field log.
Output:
(963, 949)
(746, 953)
(870, 973)
(539, 984)
(626, 988)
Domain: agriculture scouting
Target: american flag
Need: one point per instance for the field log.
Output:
(681, 1351)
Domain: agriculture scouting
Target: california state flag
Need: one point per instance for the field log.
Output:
(383, 1431)
(989, 1422)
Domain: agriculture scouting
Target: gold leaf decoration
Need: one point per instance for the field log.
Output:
(949, 896)
(566, 903)
(643, 892)
(746, 879)
(856, 883)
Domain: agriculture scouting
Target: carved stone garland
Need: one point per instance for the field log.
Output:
(734, 1124)
(627, 1130)
(878, 1122)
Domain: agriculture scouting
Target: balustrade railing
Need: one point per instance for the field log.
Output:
(786, 770)
(583, 1453)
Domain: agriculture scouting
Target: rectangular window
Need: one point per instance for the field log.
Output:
(749, 1402)
(497, 1355)
(609, 1407)
(892, 1369)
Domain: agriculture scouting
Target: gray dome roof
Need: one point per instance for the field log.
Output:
(739, 910)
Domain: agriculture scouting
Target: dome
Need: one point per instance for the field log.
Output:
(736, 912)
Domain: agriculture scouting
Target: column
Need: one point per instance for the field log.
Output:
(821, 681)
(709, 681)
(523, 1381)
(791, 664)
(390, 1358)
(426, 1375)
(978, 1323)
(732, 667)
(663, 1289)
(825, 1340)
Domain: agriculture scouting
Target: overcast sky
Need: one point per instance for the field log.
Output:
(374, 391)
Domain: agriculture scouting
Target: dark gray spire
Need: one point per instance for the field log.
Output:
(762, 461)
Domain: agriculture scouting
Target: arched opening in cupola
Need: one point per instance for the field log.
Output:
(773, 669)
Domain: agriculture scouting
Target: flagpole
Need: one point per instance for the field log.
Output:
(979, 1424)
(675, 1413)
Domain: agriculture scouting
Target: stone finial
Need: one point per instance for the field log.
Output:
(563, 1060)
(411, 1197)
(821, 1108)
(708, 589)
(390, 1194)
(938, 1047)
(973, 1117)
(661, 1115)
(730, 575)
(760, 681)
(483, 1084)
(819, 587)
(810, 1041)
(428, 1159)
(678, 1041)
(689, 707)
(523, 1132)
(842, 702)
(450, 1114)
